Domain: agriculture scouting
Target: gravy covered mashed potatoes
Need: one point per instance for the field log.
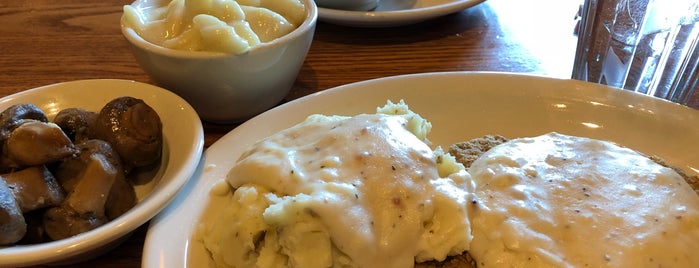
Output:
(368, 191)
(228, 26)
(335, 191)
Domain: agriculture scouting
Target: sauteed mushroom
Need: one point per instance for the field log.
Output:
(83, 209)
(68, 171)
(35, 228)
(12, 224)
(66, 177)
(121, 196)
(34, 143)
(63, 222)
(20, 127)
(15, 114)
(75, 122)
(34, 187)
(132, 128)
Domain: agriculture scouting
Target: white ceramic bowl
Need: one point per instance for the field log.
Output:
(226, 88)
(183, 143)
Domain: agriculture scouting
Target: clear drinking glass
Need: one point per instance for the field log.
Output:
(648, 46)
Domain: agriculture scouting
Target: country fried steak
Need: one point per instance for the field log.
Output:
(467, 152)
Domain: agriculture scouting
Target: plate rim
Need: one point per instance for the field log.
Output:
(394, 17)
(161, 219)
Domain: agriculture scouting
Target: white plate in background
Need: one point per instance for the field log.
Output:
(461, 106)
(392, 13)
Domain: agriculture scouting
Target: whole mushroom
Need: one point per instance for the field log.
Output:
(27, 138)
(34, 187)
(34, 143)
(133, 129)
(75, 122)
(15, 114)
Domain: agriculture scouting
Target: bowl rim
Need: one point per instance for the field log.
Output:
(308, 25)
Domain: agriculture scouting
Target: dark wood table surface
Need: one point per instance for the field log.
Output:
(49, 41)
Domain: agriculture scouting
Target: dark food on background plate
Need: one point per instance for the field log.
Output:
(64, 177)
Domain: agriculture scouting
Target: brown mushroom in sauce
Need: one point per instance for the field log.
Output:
(12, 224)
(121, 196)
(27, 138)
(83, 208)
(34, 143)
(133, 128)
(15, 114)
(34, 187)
(68, 171)
(75, 122)
(69, 176)
(35, 228)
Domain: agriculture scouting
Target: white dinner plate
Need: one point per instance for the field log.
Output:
(391, 13)
(183, 143)
(461, 106)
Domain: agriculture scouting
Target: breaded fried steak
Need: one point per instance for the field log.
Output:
(541, 201)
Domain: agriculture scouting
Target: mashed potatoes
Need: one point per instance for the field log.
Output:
(226, 26)
(563, 201)
(361, 191)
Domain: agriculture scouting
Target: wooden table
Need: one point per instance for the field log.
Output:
(49, 41)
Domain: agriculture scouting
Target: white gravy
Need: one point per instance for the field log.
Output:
(562, 201)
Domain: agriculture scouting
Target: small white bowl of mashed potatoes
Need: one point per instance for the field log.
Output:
(230, 59)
